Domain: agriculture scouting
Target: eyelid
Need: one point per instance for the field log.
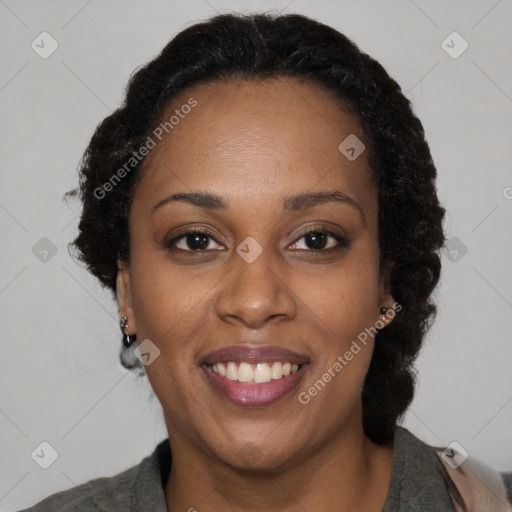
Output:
(342, 240)
(177, 237)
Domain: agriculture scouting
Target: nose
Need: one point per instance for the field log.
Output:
(256, 293)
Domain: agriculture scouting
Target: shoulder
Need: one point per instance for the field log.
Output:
(446, 474)
(507, 481)
(94, 495)
(123, 492)
(417, 479)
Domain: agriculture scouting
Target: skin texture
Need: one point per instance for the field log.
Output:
(254, 143)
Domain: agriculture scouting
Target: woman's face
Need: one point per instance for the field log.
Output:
(250, 296)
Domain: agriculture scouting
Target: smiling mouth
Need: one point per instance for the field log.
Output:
(254, 376)
(254, 384)
(254, 373)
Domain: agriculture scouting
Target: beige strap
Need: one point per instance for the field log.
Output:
(480, 488)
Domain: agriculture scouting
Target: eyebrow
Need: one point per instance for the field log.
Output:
(308, 200)
(200, 199)
(297, 202)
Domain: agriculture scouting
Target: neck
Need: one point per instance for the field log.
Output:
(347, 473)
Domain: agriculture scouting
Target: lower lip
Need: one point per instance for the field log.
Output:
(254, 395)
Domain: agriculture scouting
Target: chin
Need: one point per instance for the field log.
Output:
(261, 457)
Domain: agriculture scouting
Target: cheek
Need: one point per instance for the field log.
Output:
(165, 298)
(343, 305)
(169, 312)
(344, 314)
(345, 297)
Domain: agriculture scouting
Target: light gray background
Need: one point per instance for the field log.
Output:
(60, 379)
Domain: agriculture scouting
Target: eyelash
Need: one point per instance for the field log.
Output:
(342, 242)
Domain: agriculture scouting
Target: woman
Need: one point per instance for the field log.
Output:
(264, 208)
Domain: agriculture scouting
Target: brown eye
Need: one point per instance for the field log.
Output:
(324, 241)
(192, 241)
(316, 240)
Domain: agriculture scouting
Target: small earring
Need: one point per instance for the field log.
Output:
(128, 339)
(383, 312)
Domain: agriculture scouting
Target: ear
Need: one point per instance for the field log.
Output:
(124, 295)
(386, 300)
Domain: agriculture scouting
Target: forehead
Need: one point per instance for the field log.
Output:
(244, 137)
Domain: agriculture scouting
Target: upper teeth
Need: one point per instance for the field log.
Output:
(254, 373)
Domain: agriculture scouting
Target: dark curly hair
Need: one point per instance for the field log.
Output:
(264, 46)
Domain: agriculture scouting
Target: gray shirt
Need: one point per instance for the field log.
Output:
(418, 483)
